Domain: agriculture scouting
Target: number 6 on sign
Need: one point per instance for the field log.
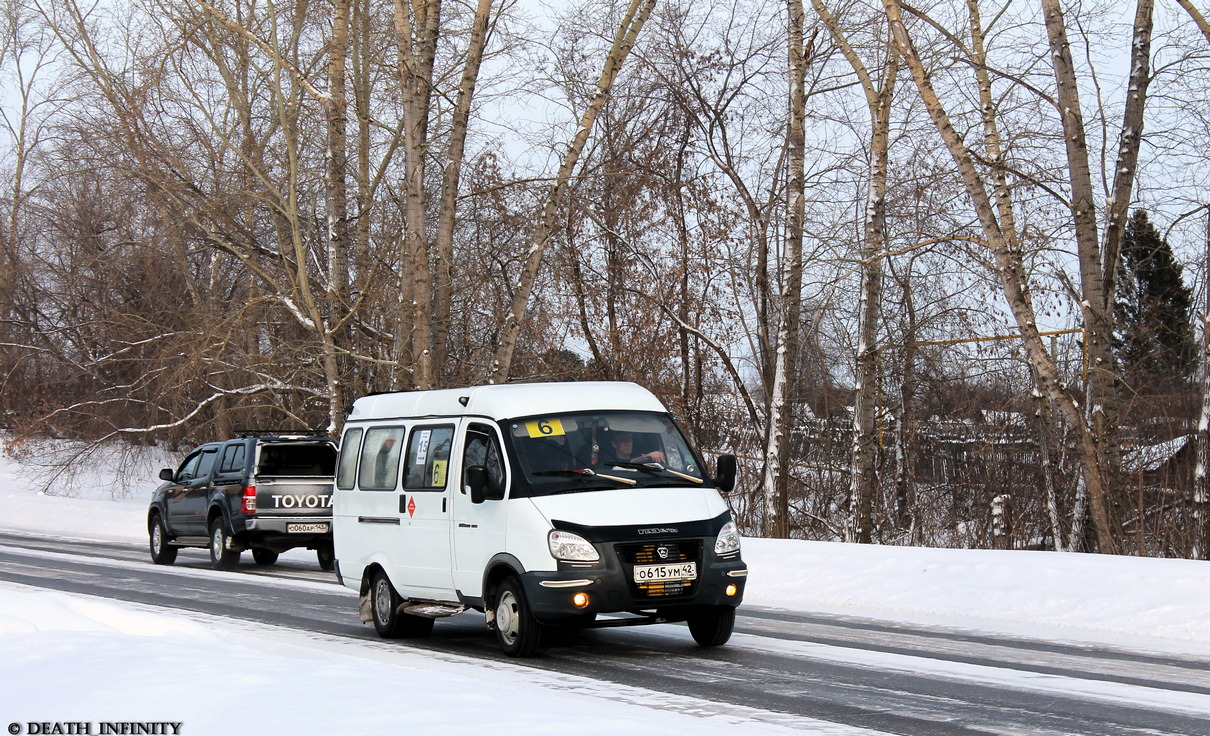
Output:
(545, 428)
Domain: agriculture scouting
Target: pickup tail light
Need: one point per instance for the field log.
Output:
(249, 499)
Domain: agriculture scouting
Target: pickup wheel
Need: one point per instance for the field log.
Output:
(388, 621)
(517, 630)
(264, 556)
(711, 627)
(162, 553)
(221, 558)
(326, 558)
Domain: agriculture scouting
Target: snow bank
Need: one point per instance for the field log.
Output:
(1141, 603)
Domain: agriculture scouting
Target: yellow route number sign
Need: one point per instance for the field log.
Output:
(545, 428)
(438, 474)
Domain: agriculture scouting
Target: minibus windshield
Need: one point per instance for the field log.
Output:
(568, 453)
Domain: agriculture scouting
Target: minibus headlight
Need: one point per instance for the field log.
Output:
(728, 540)
(571, 547)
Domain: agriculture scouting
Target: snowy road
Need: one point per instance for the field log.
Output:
(887, 678)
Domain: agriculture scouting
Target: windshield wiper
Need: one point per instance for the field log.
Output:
(654, 468)
(579, 489)
(585, 474)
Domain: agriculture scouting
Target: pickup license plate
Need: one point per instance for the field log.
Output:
(679, 571)
(306, 528)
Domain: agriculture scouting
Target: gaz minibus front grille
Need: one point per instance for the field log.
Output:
(647, 553)
(660, 553)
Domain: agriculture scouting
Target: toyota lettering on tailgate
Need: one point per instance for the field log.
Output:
(302, 502)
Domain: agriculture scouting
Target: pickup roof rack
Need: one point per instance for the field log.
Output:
(246, 433)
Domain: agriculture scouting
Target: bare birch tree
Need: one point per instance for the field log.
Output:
(623, 42)
(337, 105)
(1201, 486)
(417, 26)
(863, 481)
(780, 417)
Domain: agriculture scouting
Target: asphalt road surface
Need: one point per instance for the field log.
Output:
(899, 679)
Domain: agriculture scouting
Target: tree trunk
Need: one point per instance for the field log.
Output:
(1201, 489)
(416, 30)
(338, 211)
(864, 455)
(443, 247)
(864, 480)
(1096, 283)
(905, 427)
(363, 273)
(781, 409)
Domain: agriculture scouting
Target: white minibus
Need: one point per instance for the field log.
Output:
(540, 505)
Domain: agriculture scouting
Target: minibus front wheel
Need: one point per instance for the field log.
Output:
(518, 632)
(711, 626)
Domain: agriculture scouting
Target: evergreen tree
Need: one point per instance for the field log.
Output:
(1154, 336)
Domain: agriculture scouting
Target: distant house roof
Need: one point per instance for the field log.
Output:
(1149, 458)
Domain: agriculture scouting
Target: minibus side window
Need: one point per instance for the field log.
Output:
(346, 474)
(428, 458)
(379, 467)
(483, 449)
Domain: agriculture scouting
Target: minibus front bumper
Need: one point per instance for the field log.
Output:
(576, 592)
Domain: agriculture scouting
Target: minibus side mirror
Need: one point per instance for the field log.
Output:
(476, 482)
(724, 478)
(166, 474)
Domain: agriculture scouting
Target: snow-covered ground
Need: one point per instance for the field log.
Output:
(70, 658)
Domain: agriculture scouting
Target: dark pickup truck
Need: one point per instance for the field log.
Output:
(263, 492)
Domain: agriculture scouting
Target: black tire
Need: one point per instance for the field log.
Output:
(388, 621)
(326, 557)
(221, 558)
(518, 632)
(264, 556)
(162, 553)
(711, 627)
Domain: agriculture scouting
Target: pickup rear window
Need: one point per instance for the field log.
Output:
(297, 459)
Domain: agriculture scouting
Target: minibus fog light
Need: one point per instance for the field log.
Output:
(728, 540)
(731, 590)
(580, 600)
(571, 547)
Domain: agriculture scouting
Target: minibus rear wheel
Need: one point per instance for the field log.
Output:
(388, 621)
(384, 602)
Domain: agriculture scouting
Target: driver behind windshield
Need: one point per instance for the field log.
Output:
(623, 450)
